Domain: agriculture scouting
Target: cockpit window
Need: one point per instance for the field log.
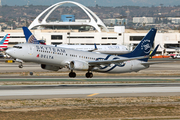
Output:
(19, 47)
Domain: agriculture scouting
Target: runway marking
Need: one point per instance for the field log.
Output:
(93, 94)
(80, 79)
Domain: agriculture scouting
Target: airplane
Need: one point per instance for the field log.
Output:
(4, 42)
(107, 49)
(54, 58)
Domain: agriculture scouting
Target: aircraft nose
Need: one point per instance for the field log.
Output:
(9, 51)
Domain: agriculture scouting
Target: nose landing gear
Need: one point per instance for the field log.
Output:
(21, 65)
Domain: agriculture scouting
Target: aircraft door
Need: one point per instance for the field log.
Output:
(31, 50)
(132, 64)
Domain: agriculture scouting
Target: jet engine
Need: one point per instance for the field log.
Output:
(78, 65)
(50, 67)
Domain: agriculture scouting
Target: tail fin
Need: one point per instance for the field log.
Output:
(144, 47)
(4, 42)
(29, 36)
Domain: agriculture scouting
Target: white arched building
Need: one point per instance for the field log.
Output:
(96, 23)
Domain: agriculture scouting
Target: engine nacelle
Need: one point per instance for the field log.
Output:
(50, 67)
(78, 65)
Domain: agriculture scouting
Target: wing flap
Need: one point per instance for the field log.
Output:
(151, 63)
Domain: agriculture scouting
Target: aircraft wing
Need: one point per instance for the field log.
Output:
(115, 61)
(151, 63)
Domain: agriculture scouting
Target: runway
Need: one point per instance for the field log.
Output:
(158, 80)
(86, 90)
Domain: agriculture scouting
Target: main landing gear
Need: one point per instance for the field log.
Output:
(89, 75)
(73, 74)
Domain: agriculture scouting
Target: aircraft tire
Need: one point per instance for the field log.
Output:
(20, 66)
(72, 74)
(89, 75)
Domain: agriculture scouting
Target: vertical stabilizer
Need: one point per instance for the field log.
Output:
(144, 47)
(4, 42)
(29, 36)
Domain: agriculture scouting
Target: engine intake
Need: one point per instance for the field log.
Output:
(78, 65)
(50, 67)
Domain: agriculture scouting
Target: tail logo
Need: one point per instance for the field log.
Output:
(32, 39)
(146, 46)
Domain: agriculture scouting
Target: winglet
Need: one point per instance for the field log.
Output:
(95, 46)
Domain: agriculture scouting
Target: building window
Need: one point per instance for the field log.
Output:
(136, 38)
(14, 36)
(17, 36)
(172, 46)
(104, 37)
(56, 43)
(80, 37)
(56, 37)
(112, 37)
(13, 43)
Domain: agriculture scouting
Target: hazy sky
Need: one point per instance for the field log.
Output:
(93, 2)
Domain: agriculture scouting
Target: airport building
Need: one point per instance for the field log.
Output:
(115, 22)
(70, 30)
(143, 19)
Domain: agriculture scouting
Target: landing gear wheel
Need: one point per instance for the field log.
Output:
(72, 74)
(20, 66)
(89, 75)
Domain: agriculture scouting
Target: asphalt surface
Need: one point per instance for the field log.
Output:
(167, 72)
(79, 91)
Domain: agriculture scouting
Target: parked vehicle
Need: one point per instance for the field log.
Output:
(175, 56)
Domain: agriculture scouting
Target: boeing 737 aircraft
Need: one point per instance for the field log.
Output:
(4, 42)
(55, 58)
(107, 49)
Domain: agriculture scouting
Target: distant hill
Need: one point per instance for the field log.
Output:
(99, 2)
